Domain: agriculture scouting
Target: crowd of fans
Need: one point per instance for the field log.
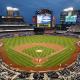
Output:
(14, 34)
(10, 34)
(74, 28)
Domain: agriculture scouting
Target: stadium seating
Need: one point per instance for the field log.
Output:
(74, 28)
(70, 73)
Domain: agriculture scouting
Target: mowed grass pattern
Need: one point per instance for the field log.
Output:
(67, 42)
(44, 51)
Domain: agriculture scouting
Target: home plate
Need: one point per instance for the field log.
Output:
(39, 60)
(1, 44)
(39, 51)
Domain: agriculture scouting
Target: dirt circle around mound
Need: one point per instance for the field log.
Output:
(8, 61)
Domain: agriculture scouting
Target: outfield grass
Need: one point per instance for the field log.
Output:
(67, 42)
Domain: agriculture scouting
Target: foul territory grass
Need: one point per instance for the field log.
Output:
(67, 42)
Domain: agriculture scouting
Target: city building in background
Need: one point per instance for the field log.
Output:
(69, 16)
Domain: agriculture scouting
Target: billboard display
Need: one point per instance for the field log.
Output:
(44, 20)
(71, 19)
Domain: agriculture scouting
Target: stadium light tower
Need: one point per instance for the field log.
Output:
(16, 12)
(9, 10)
(15, 9)
(69, 9)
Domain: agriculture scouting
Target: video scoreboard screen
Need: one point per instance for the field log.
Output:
(71, 19)
(44, 20)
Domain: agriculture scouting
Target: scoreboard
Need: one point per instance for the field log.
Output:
(44, 20)
(70, 17)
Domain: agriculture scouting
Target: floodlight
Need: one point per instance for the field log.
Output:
(9, 8)
(15, 9)
(69, 9)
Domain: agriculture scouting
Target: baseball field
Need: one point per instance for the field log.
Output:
(38, 51)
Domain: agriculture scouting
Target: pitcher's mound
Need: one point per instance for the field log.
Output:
(39, 51)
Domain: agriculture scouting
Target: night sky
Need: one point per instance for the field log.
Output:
(28, 7)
